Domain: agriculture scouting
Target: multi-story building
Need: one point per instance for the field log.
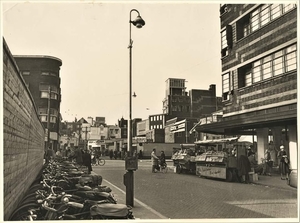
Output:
(259, 75)
(42, 77)
(177, 101)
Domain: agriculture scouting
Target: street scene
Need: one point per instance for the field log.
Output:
(145, 111)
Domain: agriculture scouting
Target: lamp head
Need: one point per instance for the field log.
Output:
(138, 22)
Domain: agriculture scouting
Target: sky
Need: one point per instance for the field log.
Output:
(179, 40)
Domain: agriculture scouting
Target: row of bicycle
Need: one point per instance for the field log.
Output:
(64, 191)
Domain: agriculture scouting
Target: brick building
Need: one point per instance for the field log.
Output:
(259, 75)
(42, 77)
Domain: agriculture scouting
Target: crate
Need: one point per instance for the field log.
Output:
(253, 177)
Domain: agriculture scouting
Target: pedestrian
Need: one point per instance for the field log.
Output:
(87, 160)
(78, 156)
(154, 160)
(244, 167)
(268, 163)
(111, 154)
(257, 168)
(141, 154)
(49, 154)
(162, 159)
(283, 164)
(115, 154)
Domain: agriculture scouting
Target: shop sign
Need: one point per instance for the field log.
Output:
(178, 126)
(211, 171)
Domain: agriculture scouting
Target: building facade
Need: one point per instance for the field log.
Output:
(42, 77)
(204, 102)
(259, 75)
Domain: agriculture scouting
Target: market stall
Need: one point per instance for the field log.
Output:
(184, 158)
(220, 158)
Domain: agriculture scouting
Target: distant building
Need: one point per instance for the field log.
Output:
(42, 77)
(177, 101)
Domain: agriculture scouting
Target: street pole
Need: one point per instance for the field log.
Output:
(139, 23)
(48, 117)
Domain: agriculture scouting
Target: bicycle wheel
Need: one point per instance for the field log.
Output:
(101, 162)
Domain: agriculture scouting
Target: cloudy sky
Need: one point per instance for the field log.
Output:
(179, 40)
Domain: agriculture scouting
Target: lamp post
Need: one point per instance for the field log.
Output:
(139, 23)
(48, 118)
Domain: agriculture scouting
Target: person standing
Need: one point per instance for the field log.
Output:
(154, 160)
(87, 160)
(268, 163)
(78, 156)
(244, 167)
(283, 164)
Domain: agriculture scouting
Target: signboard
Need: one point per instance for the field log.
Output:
(178, 126)
(131, 163)
(211, 171)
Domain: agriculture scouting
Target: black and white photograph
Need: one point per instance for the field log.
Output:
(149, 111)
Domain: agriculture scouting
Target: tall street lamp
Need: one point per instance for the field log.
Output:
(139, 23)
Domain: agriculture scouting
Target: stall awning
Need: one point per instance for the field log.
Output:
(233, 139)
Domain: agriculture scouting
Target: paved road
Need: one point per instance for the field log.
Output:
(178, 196)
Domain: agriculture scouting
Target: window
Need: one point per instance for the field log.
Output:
(278, 63)
(275, 11)
(226, 86)
(48, 73)
(265, 14)
(224, 51)
(256, 71)
(25, 72)
(266, 67)
(291, 58)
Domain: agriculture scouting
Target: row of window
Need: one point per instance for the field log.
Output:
(181, 108)
(156, 118)
(44, 111)
(280, 62)
(275, 64)
(156, 127)
(44, 73)
(44, 118)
